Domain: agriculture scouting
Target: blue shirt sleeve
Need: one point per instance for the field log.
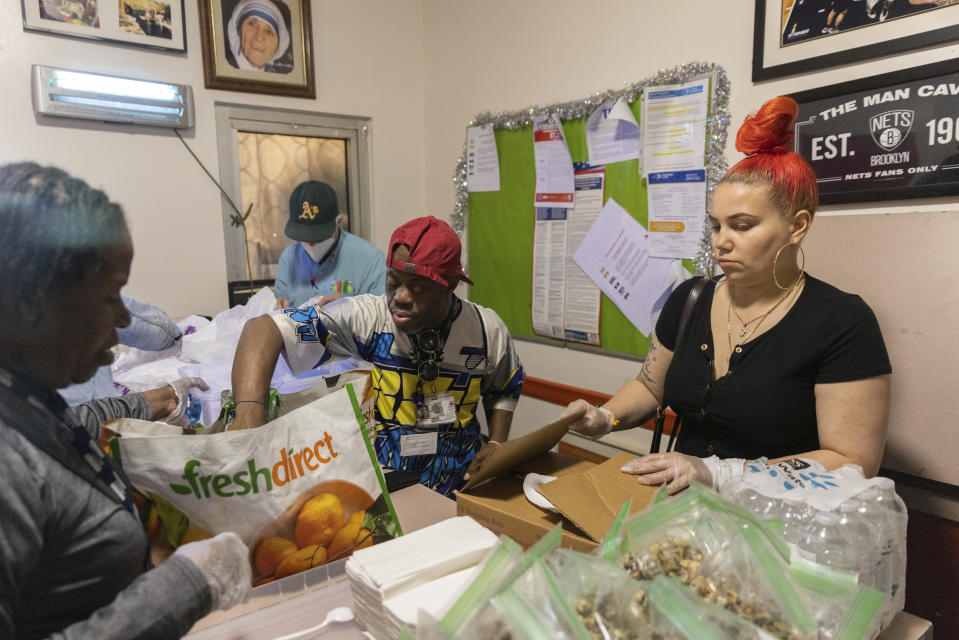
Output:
(283, 285)
(374, 282)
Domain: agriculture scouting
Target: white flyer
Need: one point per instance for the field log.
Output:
(554, 167)
(612, 133)
(482, 161)
(549, 271)
(677, 212)
(674, 126)
(565, 301)
(615, 255)
(583, 297)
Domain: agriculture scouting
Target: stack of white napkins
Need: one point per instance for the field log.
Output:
(425, 569)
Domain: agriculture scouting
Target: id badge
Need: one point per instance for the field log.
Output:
(418, 444)
(437, 409)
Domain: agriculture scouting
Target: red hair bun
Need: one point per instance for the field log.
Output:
(770, 130)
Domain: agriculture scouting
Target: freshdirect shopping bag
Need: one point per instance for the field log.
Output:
(301, 490)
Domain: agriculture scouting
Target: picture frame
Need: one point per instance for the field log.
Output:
(788, 35)
(258, 46)
(893, 136)
(154, 24)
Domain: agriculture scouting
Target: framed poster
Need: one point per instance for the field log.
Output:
(888, 137)
(260, 46)
(158, 24)
(797, 36)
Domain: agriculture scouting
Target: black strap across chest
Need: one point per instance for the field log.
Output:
(698, 285)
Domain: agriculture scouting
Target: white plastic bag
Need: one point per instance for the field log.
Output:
(217, 340)
(303, 489)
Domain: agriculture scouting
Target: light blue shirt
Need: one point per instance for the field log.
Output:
(353, 267)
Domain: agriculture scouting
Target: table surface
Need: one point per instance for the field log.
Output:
(302, 601)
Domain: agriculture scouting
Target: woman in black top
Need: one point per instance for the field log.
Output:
(773, 362)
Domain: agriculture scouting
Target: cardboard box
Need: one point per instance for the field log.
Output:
(500, 505)
(590, 496)
(593, 499)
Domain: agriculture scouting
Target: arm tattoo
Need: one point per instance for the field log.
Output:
(647, 364)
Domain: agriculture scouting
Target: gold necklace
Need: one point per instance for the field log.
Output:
(743, 334)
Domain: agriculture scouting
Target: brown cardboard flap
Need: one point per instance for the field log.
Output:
(592, 500)
(500, 505)
(515, 452)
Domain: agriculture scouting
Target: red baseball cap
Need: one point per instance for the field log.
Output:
(434, 250)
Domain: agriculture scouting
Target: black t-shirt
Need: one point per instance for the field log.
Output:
(765, 405)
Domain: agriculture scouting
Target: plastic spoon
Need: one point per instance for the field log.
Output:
(339, 614)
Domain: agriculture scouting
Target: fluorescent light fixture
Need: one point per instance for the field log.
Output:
(93, 96)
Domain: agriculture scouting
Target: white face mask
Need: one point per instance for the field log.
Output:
(319, 250)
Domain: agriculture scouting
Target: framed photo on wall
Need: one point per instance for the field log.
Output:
(260, 46)
(889, 137)
(798, 36)
(158, 24)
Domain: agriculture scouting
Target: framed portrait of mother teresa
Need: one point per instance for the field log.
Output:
(260, 46)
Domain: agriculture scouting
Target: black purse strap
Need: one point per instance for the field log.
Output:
(691, 298)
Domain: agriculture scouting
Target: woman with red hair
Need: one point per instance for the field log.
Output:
(772, 361)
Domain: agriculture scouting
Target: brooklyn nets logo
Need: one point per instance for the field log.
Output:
(889, 129)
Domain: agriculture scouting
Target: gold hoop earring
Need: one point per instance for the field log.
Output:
(801, 269)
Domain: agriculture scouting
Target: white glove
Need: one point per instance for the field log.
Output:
(679, 470)
(594, 422)
(225, 563)
(182, 388)
(724, 469)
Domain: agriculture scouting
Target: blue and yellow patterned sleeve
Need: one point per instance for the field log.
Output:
(504, 384)
(313, 336)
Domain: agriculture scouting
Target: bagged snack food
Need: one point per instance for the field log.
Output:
(723, 554)
(843, 609)
(508, 617)
(675, 611)
(539, 589)
(607, 602)
(300, 491)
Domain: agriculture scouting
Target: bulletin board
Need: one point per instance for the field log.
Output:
(500, 224)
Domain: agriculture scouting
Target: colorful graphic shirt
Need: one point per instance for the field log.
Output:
(477, 361)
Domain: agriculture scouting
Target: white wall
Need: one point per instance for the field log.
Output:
(368, 60)
(501, 55)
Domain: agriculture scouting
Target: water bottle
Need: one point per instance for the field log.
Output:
(795, 515)
(761, 505)
(862, 535)
(822, 539)
(194, 409)
(885, 566)
(895, 509)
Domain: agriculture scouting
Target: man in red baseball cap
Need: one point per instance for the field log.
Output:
(435, 356)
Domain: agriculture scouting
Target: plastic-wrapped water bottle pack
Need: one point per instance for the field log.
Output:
(839, 519)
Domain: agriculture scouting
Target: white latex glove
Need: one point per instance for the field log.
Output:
(182, 388)
(679, 469)
(225, 563)
(595, 422)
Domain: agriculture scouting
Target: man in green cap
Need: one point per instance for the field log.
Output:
(326, 262)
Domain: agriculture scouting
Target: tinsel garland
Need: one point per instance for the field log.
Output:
(716, 125)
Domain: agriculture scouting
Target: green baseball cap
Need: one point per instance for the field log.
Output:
(313, 211)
